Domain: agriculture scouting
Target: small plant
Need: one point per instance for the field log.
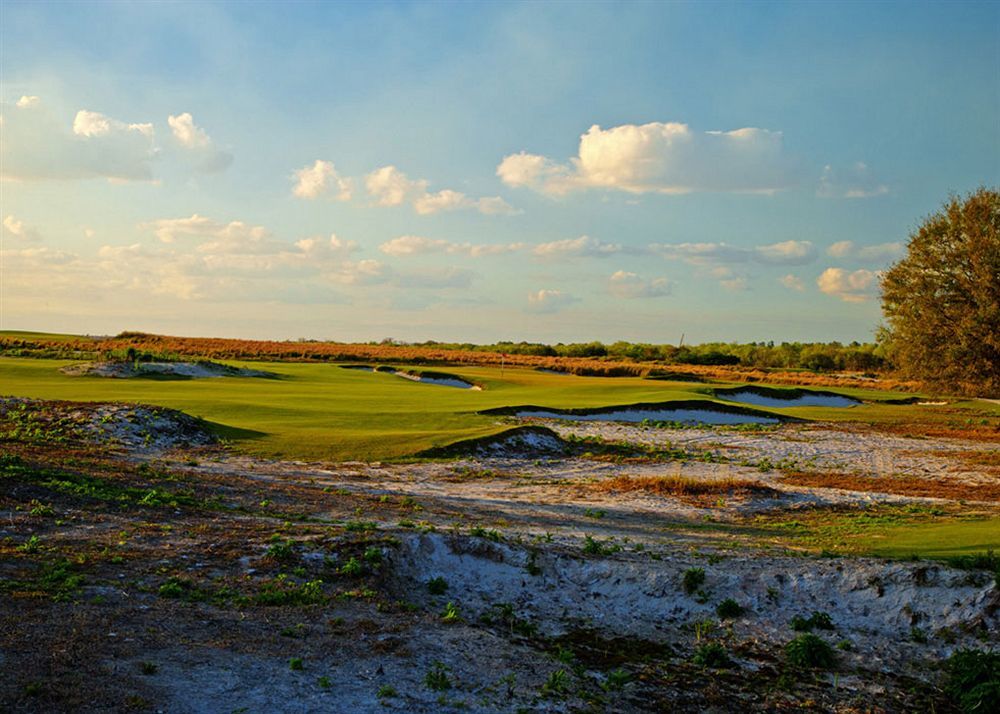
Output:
(386, 691)
(32, 545)
(918, 635)
(40, 509)
(556, 685)
(729, 609)
(532, 565)
(712, 655)
(816, 621)
(437, 586)
(148, 668)
(450, 613)
(324, 682)
(352, 567)
(295, 664)
(694, 578)
(437, 679)
(616, 680)
(810, 652)
(280, 549)
(373, 555)
(594, 513)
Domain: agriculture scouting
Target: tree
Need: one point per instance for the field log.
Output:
(942, 300)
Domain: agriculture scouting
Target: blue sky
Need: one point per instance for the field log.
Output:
(481, 171)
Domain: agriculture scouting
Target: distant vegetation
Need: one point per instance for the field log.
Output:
(615, 359)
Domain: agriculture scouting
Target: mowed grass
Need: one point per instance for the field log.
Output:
(321, 411)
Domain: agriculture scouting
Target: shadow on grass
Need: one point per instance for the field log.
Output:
(232, 433)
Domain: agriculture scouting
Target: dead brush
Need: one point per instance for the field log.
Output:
(689, 490)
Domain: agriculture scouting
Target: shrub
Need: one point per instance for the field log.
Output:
(437, 586)
(816, 621)
(974, 680)
(810, 651)
(728, 609)
(712, 654)
(436, 678)
(694, 578)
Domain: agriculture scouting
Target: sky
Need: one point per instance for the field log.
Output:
(475, 172)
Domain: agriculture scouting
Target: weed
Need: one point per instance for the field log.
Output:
(281, 591)
(532, 565)
(386, 691)
(40, 509)
(974, 680)
(616, 680)
(324, 682)
(712, 655)
(295, 664)
(437, 679)
(32, 545)
(450, 613)
(693, 579)
(816, 621)
(437, 586)
(594, 513)
(295, 631)
(148, 668)
(352, 567)
(918, 635)
(556, 685)
(809, 651)
(488, 534)
(373, 555)
(592, 546)
(360, 526)
(280, 549)
(729, 609)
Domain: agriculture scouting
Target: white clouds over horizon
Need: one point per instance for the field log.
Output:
(658, 157)
(883, 252)
(855, 181)
(624, 284)
(549, 301)
(322, 179)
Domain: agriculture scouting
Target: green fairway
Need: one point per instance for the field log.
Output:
(938, 540)
(321, 411)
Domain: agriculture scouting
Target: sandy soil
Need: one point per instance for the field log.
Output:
(562, 596)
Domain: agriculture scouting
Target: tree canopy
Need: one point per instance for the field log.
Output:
(942, 300)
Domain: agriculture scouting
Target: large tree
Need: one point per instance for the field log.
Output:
(942, 300)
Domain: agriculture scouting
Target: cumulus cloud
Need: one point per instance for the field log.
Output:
(792, 282)
(389, 186)
(857, 286)
(26, 102)
(624, 284)
(547, 301)
(15, 228)
(789, 252)
(197, 144)
(880, 253)
(856, 181)
(418, 245)
(321, 179)
(170, 229)
(658, 158)
(581, 247)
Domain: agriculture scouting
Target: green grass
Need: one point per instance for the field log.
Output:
(319, 411)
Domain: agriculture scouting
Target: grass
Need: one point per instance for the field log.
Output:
(687, 489)
(319, 411)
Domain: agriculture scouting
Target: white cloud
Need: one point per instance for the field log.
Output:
(197, 144)
(322, 179)
(35, 145)
(880, 253)
(658, 158)
(581, 247)
(545, 301)
(858, 286)
(792, 282)
(855, 181)
(629, 285)
(169, 229)
(15, 228)
(26, 102)
(789, 252)
(418, 245)
(841, 249)
(391, 187)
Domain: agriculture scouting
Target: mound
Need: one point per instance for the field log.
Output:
(170, 370)
(519, 442)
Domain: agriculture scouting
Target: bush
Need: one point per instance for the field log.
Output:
(810, 651)
(713, 655)
(728, 609)
(694, 578)
(974, 680)
(816, 621)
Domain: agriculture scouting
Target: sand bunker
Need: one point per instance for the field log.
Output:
(441, 379)
(760, 397)
(174, 370)
(673, 412)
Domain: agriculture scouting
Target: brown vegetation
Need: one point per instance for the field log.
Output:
(689, 490)
(897, 485)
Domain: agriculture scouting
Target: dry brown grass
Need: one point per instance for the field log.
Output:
(897, 485)
(689, 490)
